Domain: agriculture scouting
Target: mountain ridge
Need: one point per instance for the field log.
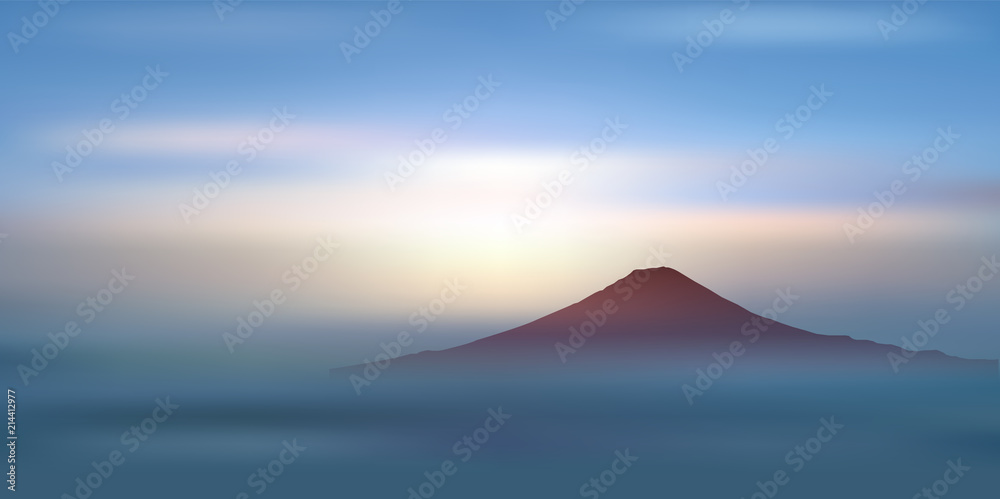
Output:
(662, 312)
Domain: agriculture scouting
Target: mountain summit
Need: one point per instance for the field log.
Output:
(655, 305)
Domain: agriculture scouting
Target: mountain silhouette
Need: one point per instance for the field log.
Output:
(659, 318)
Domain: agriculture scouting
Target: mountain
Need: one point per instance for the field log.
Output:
(659, 318)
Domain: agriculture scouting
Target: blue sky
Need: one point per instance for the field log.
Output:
(606, 59)
(656, 184)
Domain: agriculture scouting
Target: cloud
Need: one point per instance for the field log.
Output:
(225, 137)
(788, 24)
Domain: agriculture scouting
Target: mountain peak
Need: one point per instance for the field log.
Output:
(662, 286)
(661, 274)
(663, 292)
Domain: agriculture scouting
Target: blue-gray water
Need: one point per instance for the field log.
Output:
(563, 429)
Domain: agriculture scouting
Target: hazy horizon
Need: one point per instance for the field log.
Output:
(608, 71)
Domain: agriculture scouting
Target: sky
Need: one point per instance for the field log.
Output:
(628, 121)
